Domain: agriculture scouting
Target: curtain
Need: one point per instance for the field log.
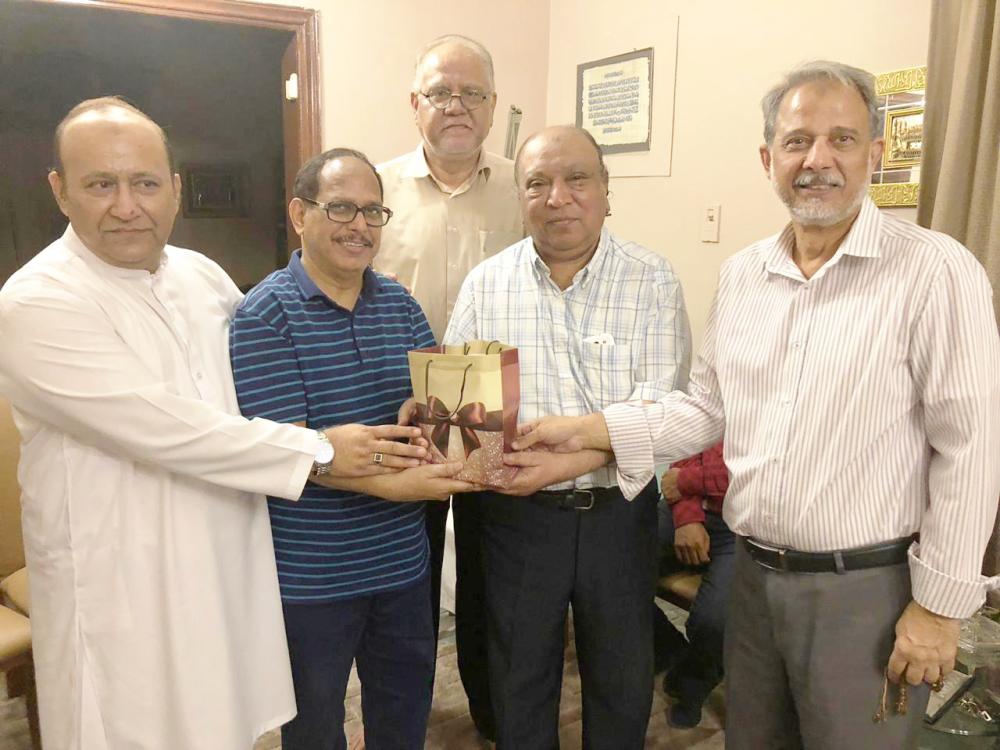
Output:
(960, 169)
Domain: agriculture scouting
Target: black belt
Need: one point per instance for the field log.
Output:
(837, 561)
(573, 499)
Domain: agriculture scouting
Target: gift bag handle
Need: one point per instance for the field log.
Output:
(461, 393)
(465, 346)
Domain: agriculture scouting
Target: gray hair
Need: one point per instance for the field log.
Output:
(462, 41)
(861, 80)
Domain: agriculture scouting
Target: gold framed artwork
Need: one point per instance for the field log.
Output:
(896, 180)
(904, 136)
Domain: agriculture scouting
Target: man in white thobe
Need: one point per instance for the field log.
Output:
(155, 612)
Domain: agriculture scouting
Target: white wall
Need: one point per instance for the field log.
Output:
(729, 52)
(368, 48)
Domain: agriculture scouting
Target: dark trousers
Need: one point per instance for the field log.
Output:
(470, 601)
(695, 664)
(539, 561)
(389, 635)
(805, 657)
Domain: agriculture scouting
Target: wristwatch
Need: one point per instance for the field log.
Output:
(324, 455)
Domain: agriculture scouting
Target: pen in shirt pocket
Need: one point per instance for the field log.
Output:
(600, 339)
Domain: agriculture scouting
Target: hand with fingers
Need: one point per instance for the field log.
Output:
(537, 469)
(406, 415)
(668, 486)
(407, 412)
(395, 277)
(425, 482)
(361, 450)
(565, 434)
(691, 544)
(925, 648)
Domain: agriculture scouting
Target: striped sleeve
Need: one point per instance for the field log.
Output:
(642, 437)
(268, 381)
(955, 367)
(423, 337)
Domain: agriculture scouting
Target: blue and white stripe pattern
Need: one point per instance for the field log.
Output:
(297, 357)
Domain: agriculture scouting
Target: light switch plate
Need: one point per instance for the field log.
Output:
(710, 218)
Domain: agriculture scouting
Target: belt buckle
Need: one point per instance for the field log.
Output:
(590, 496)
(779, 551)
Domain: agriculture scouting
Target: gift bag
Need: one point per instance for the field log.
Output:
(467, 398)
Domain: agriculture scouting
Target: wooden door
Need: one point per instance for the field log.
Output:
(291, 116)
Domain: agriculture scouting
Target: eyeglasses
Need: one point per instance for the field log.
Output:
(440, 98)
(344, 212)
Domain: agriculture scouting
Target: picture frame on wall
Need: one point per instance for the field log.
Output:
(904, 136)
(213, 191)
(614, 101)
(900, 101)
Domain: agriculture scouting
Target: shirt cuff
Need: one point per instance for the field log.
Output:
(649, 391)
(686, 511)
(632, 444)
(303, 464)
(944, 594)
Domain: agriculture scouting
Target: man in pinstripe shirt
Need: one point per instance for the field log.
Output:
(596, 320)
(854, 363)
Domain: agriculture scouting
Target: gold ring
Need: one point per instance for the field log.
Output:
(938, 684)
(377, 458)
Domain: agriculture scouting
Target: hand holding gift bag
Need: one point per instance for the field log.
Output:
(467, 399)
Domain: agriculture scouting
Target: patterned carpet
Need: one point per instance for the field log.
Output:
(450, 726)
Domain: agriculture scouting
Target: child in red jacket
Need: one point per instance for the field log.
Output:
(693, 534)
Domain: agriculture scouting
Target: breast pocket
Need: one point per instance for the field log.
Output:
(608, 372)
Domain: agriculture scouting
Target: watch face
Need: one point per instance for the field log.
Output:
(325, 453)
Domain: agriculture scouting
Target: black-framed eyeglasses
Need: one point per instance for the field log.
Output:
(440, 98)
(343, 212)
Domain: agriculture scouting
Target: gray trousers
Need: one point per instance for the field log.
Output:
(805, 655)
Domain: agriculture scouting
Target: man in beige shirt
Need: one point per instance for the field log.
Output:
(454, 204)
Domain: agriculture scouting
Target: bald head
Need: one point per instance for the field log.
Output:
(564, 134)
(112, 108)
(447, 46)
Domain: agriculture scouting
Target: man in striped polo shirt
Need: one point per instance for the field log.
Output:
(854, 363)
(322, 342)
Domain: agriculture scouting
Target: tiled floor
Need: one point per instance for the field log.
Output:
(450, 726)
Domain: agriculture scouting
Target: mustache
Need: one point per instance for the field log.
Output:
(807, 179)
(357, 238)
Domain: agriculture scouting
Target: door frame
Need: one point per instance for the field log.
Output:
(303, 22)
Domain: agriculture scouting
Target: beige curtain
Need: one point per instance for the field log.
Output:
(960, 171)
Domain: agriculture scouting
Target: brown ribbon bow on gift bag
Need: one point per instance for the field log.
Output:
(473, 416)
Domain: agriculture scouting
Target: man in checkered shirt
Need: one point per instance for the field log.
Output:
(597, 320)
